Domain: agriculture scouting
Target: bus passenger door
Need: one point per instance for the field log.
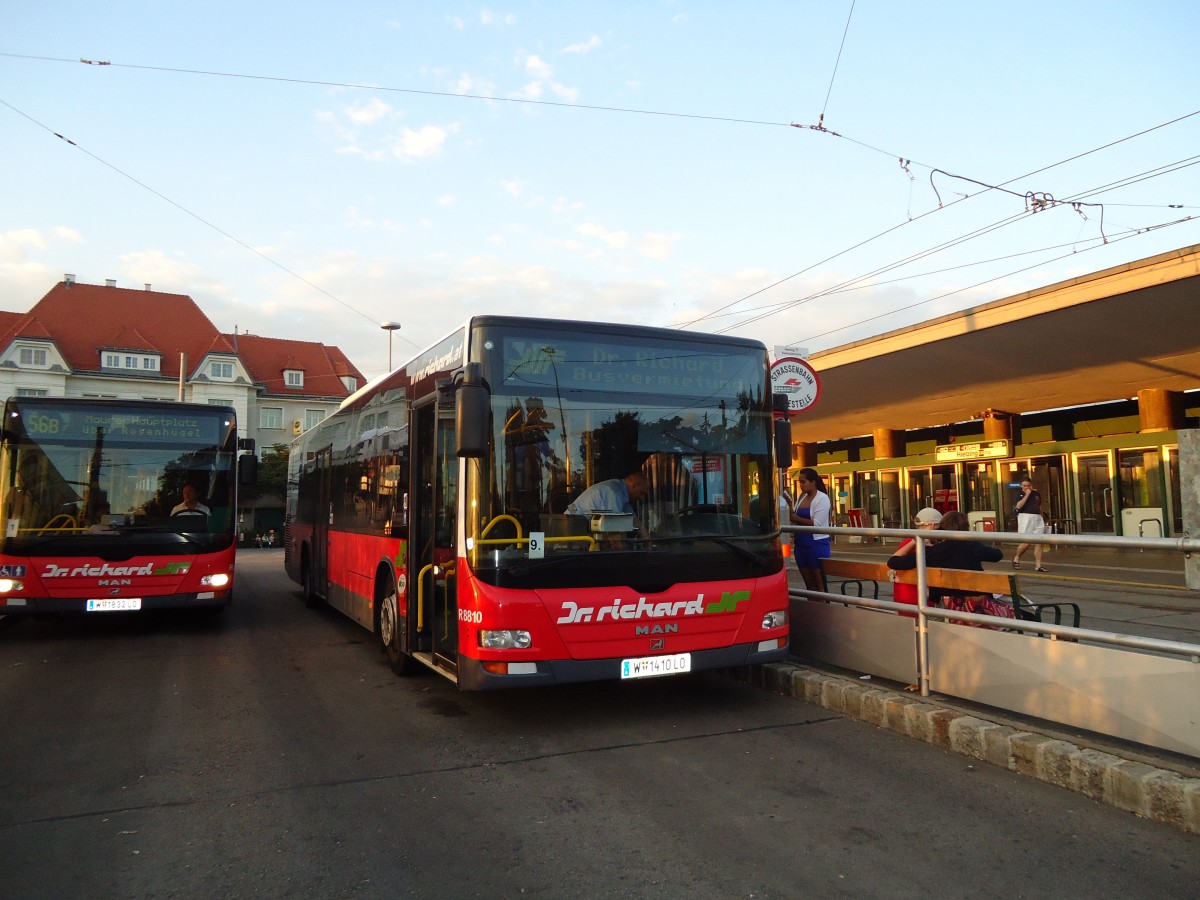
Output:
(435, 474)
(321, 514)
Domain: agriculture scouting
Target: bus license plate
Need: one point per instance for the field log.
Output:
(651, 666)
(114, 604)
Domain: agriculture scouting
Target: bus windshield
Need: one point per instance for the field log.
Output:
(78, 477)
(569, 411)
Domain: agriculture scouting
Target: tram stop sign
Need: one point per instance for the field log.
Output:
(797, 380)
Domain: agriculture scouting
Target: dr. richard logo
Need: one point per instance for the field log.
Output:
(619, 610)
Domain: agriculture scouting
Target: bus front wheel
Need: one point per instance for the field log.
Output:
(306, 584)
(390, 638)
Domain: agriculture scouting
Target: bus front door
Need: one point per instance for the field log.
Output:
(435, 475)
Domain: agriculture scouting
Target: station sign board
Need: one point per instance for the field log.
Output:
(977, 450)
(798, 381)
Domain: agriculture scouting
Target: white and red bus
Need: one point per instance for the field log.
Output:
(431, 508)
(91, 495)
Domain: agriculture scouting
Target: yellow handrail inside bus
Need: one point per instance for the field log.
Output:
(61, 522)
(449, 570)
(591, 541)
(502, 518)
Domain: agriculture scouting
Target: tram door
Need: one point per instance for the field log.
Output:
(433, 530)
(1140, 495)
(839, 493)
(1094, 488)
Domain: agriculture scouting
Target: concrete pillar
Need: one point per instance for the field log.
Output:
(999, 425)
(1189, 493)
(1160, 410)
(889, 443)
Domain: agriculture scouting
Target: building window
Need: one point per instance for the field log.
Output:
(312, 417)
(350, 382)
(150, 362)
(270, 417)
(131, 362)
(112, 361)
(222, 370)
(293, 378)
(34, 356)
(32, 392)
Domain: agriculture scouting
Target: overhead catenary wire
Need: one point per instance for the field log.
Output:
(836, 63)
(199, 218)
(943, 246)
(569, 105)
(1000, 186)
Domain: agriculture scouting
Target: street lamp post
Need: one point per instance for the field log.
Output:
(389, 327)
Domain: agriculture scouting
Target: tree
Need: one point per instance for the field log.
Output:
(272, 475)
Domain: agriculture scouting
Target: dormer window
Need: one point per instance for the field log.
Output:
(293, 378)
(34, 357)
(220, 370)
(350, 382)
(130, 361)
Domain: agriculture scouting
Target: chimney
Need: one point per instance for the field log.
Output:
(110, 282)
(147, 285)
(68, 279)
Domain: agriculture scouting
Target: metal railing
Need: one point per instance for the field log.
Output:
(1138, 688)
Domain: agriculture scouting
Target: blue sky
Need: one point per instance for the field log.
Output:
(309, 170)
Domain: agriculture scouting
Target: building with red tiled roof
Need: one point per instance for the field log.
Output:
(88, 340)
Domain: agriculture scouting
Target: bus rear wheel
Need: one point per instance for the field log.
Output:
(389, 629)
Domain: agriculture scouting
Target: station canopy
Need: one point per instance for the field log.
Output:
(1093, 339)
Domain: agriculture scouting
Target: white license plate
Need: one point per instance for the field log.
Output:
(651, 666)
(114, 604)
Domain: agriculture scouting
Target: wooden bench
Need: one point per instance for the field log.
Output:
(859, 574)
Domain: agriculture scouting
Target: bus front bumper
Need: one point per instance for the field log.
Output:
(473, 677)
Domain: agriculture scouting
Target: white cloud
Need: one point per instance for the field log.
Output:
(570, 95)
(538, 68)
(368, 112)
(614, 239)
(487, 17)
(446, 200)
(585, 47)
(421, 143)
(15, 243)
(543, 80)
(468, 84)
(514, 187)
(657, 246)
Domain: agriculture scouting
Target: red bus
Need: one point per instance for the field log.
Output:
(92, 497)
(432, 508)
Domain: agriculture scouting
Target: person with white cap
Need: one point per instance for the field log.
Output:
(926, 519)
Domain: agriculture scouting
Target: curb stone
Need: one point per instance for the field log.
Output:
(1147, 791)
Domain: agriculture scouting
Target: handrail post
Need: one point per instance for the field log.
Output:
(922, 620)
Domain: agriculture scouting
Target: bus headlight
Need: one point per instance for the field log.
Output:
(505, 640)
(8, 585)
(218, 580)
(776, 619)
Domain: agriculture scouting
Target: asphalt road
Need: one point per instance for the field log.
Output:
(273, 753)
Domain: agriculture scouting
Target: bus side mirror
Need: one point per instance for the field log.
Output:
(783, 431)
(247, 469)
(471, 411)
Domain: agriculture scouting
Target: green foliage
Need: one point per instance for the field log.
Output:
(272, 475)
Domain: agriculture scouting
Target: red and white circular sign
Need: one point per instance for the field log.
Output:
(798, 381)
